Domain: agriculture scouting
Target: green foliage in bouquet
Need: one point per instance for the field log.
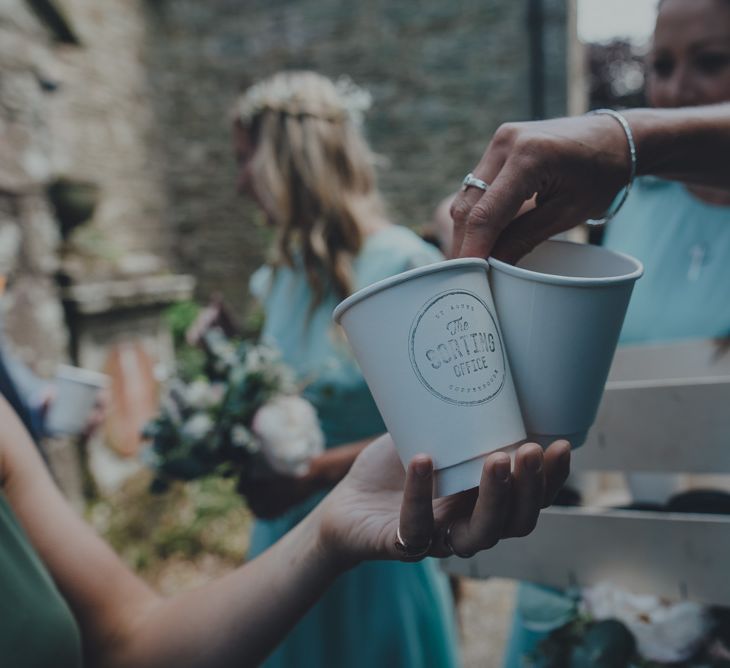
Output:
(179, 318)
(190, 360)
(204, 425)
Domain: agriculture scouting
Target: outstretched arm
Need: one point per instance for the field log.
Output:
(242, 616)
(576, 166)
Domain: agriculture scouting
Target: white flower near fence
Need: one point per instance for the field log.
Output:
(664, 631)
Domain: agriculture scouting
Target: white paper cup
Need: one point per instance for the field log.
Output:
(76, 392)
(561, 309)
(430, 348)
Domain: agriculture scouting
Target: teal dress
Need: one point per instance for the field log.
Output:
(380, 613)
(37, 628)
(684, 245)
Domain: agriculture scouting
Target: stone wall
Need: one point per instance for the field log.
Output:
(443, 76)
(104, 129)
(75, 110)
(29, 237)
(139, 106)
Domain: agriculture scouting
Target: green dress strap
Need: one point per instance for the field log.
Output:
(37, 628)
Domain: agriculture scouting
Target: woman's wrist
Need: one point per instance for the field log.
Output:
(651, 129)
(681, 144)
(319, 474)
(328, 547)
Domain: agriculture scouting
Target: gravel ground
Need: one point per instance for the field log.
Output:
(485, 612)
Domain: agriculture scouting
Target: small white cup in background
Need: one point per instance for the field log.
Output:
(561, 309)
(430, 348)
(75, 394)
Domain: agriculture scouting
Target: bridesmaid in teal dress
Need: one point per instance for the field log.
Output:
(297, 128)
(681, 233)
(684, 244)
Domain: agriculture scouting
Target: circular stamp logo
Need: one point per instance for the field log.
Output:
(456, 350)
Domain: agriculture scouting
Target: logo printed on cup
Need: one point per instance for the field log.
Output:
(455, 349)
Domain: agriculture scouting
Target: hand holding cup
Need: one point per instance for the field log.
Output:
(380, 511)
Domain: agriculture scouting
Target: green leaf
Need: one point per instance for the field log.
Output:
(606, 644)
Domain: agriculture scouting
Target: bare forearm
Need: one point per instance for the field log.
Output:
(240, 618)
(235, 620)
(690, 145)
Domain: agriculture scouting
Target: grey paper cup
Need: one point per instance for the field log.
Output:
(76, 394)
(430, 348)
(561, 309)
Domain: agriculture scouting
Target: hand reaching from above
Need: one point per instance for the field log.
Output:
(574, 167)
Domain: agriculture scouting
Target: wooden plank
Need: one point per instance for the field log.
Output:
(679, 427)
(701, 358)
(665, 409)
(672, 555)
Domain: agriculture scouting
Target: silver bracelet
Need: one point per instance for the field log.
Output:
(619, 200)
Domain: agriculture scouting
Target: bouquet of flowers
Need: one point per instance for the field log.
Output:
(620, 629)
(240, 415)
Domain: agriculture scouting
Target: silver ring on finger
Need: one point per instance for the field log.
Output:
(472, 181)
(408, 551)
(448, 537)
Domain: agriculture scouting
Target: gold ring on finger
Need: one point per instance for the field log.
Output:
(448, 537)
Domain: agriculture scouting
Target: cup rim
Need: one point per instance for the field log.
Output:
(384, 284)
(81, 375)
(576, 281)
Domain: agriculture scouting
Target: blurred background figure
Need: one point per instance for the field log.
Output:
(303, 160)
(32, 397)
(681, 233)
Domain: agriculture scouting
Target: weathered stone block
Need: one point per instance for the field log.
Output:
(40, 236)
(34, 323)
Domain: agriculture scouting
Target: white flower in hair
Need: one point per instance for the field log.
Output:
(343, 100)
(290, 434)
(356, 100)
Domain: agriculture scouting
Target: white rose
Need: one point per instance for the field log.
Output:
(290, 434)
(198, 426)
(664, 631)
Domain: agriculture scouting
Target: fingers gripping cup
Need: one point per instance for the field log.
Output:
(561, 309)
(431, 350)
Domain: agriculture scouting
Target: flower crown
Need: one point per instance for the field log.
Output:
(275, 95)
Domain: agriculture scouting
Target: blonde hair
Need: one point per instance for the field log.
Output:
(315, 170)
